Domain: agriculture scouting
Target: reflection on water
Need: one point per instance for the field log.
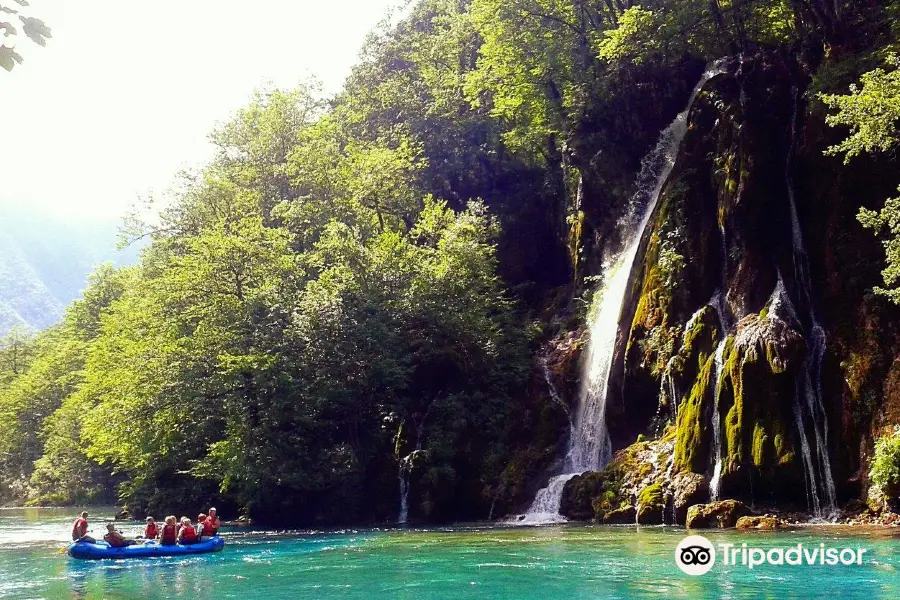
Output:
(448, 563)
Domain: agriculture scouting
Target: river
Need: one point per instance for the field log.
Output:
(479, 561)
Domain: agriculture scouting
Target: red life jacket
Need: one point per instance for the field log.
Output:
(169, 534)
(151, 531)
(79, 528)
(188, 534)
(210, 526)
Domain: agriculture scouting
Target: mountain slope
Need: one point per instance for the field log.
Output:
(45, 261)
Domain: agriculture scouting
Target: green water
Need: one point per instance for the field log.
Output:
(542, 563)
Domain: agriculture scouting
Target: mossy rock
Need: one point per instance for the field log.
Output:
(692, 435)
(621, 516)
(755, 388)
(650, 504)
(722, 514)
(652, 494)
(579, 493)
(763, 522)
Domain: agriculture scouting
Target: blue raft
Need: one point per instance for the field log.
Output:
(143, 550)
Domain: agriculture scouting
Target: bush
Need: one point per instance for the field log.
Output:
(885, 470)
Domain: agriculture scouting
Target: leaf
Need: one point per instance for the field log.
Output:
(22, 3)
(36, 30)
(8, 28)
(9, 57)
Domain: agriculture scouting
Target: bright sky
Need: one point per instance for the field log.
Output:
(125, 92)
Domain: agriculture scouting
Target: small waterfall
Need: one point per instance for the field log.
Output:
(714, 481)
(809, 404)
(667, 386)
(717, 302)
(668, 390)
(589, 445)
(406, 464)
(403, 476)
(554, 394)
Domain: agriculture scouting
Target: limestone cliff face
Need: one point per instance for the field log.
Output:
(730, 294)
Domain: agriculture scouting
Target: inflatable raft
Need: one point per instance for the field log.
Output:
(143, 550)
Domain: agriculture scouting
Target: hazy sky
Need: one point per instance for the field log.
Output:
(125, 93)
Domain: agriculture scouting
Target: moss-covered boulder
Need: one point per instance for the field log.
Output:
(763, 522)
(620, 516)
(750, 382)
(757, 389)
(650, 504)
(636, 481)
(722, 514)
(579, 494)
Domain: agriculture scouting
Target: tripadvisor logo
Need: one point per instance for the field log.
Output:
(695, 555)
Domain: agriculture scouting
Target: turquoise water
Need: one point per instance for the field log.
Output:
(543, 563)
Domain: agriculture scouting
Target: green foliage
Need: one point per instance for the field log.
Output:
(884, 472)
(632, 39)
(872, 112)
(660, 343)
(302, 298)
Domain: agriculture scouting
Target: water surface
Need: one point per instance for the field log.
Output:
(541, 563)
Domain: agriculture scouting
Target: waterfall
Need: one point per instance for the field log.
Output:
(589, 445)
(403, 476)
(403, 473)
(714, 481)
(667, 386)
(808, 403)
(717, 302)
(554, 394)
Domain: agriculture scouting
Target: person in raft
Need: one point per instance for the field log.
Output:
(79, 530)
(186, 533)
(201, 528)
(116, 539)
(212, 523)
(168, 535)
(151, 531)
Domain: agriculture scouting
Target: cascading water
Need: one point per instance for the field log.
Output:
(589, 445)
(715, 480)
(554, 394)
(809, 404)
(405, 469)
(717, 302)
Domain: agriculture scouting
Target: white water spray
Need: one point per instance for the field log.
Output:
(589, 445)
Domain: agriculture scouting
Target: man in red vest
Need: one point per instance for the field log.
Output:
(80, 528)
(212, 524)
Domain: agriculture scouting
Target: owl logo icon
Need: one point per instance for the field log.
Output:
(695, 555)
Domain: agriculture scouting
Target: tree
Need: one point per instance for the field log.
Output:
(872, 112)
